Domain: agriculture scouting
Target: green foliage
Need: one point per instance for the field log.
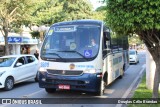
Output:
(133, 15)
(15, 11)
(99, 13)
(134, 39)
(35, 34)
(77, 9)
(46, 12)
(52, 11)
(143, 92)
(16, 30)
(101, 8)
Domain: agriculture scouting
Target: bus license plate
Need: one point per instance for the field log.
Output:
(64, 87)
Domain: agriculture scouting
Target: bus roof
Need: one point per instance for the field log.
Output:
(82, 21)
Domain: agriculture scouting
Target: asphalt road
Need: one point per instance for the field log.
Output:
(118, 89)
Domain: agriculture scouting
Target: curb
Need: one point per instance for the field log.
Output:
(132, 85)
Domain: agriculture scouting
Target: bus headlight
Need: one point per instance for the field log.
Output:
(92, 71)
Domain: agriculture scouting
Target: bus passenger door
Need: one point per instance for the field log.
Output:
(115, 66)
(107, 58)
(110, 68)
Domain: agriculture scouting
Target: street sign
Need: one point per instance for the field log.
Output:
(14, 39)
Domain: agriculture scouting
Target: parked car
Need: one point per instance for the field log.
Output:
(133, 56)
(17, 68)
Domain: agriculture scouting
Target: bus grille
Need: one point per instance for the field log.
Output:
(64, 72)
(70, 82)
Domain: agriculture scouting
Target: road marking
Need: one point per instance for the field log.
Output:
(28, 95)
(109, 91)
(132, 85)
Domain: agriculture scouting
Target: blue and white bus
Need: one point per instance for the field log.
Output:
(69, 60)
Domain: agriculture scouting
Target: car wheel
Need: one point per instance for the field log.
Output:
(50, 90)
(37, 77)
(9, 83)
(136, 62)
(101, 90)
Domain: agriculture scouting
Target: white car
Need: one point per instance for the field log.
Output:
(17, 68)
(133, 56)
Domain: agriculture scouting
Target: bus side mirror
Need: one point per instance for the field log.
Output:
(106, 35)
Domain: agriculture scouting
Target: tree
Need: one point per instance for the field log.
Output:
(101, 8)
(134, 39)
(46, 12)
(99, 13)
(52, 11)
(141, 17)
(76, 9)
(11, 12)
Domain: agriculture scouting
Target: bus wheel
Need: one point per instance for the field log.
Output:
(101, 90)
(122, 73)
(50, 90)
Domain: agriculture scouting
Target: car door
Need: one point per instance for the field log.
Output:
(19, 72)
(32, 66)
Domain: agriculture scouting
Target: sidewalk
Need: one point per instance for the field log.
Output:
(130, 91)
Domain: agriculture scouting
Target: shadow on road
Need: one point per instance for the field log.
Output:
(19, 85)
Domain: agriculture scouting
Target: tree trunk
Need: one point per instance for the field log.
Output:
(6, 40)
(6, 46)
(151, 38)
(156, 80)
(155, 52)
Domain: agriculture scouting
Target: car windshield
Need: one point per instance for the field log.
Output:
(132, 52)
(6, 62)
(71, 42)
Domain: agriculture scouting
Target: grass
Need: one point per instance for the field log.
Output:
(143, 92)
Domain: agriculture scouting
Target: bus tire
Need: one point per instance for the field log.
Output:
(105, 78)
(50, 90)
(124, 67)
(122, 73)
(101, 89)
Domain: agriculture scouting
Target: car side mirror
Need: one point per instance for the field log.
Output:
(19, 64)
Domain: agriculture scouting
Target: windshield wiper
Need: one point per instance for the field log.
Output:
(50, 53)
(74, 52)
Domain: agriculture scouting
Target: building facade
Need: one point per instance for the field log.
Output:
(19, 44)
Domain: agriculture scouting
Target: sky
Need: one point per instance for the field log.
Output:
(96, 3)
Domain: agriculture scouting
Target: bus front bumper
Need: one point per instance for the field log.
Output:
(85, 82)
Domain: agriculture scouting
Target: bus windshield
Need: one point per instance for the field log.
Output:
(71, 42)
